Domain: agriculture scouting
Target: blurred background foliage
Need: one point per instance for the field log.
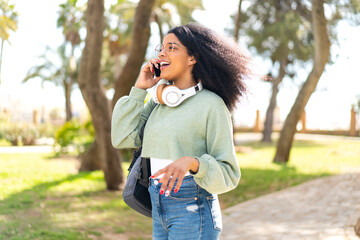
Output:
(74, 137)
(22, 133)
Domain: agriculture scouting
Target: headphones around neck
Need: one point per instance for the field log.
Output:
(172, 96)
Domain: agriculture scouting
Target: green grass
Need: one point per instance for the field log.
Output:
(42, 198)
(46, 198)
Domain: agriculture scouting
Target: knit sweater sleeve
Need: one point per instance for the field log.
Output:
(219, 171)
(128, 117)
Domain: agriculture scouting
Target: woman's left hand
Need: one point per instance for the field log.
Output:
(176, 171)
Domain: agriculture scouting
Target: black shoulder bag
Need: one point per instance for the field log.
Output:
(136, 194)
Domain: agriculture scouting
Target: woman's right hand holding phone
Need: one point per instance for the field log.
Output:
(146, 78)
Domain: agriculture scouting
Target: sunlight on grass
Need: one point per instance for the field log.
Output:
(332, 158)
(306, 157)
(24, 170)
(91, 182)
(44, 198)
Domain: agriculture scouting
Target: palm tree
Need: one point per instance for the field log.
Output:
(63, 75)
(71, 20)
(8, 23)
(117, 40)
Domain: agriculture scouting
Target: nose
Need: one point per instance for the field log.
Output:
(162, 52)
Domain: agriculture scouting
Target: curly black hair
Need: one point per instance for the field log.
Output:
(221, 65)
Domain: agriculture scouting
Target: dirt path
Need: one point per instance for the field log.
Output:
(324, 209)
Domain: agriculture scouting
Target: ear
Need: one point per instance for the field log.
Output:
(192, 60)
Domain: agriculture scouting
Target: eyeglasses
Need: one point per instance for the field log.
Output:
(167, 48)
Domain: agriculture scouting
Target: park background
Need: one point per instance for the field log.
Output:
(44, 196)
(336, 92)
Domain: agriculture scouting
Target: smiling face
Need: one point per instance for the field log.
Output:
(176, 64)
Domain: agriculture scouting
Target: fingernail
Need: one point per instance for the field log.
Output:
(158, 60)
(152, 70)
(152, 176)
(175, 190)
(161, 191)
(167, 193)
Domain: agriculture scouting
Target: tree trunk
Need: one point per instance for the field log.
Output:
(238, 23)
(95, 98)
(158, 22)
(90, 159)
(268, 125)
(69, 84)
(140, 39)
(68, 89)
(321, 57)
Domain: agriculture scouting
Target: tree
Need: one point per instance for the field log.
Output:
(90, 85)
(70, 20)
(238, 21)
(63, 75)
(140, 36)
(321, 57)
(277, 31)
(117, 40)
(93, 92)
(8, 23)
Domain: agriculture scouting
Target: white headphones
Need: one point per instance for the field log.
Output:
(172, 96)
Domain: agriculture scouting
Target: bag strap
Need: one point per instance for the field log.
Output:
(137, 152)
(143, 127)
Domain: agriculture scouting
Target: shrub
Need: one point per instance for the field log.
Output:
(74, 136)
(24, 133)
(4, 119)
(11, 133)
(28, 134)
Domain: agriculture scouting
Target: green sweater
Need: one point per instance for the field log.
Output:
(199, 127)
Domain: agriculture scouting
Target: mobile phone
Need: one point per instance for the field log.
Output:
(157, 70)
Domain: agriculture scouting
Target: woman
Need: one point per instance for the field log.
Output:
(188, 135)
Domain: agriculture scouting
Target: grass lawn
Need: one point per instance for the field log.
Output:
(44, 198)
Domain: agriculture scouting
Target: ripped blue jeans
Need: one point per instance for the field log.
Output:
(192, 213)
